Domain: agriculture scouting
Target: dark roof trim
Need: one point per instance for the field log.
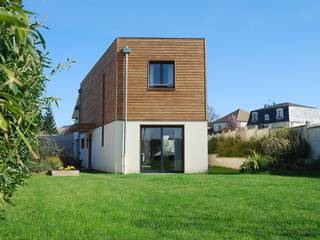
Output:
(283, 105)
(182, 38)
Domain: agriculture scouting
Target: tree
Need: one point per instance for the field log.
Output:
(48, 122)
(233, 123)
(212, 115)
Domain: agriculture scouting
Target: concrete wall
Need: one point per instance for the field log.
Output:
(195, 141)
(246, 133)
(311, 133)
(66, 142)
(313, 138)
(108, 157)
(227, 162)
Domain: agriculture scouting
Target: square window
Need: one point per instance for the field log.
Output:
(161, 74)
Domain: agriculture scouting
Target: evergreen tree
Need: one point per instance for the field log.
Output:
(48, 122)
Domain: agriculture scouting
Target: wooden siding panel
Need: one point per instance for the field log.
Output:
(187, 102)
(91, 107)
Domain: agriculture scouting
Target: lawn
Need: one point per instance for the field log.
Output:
(222, 205)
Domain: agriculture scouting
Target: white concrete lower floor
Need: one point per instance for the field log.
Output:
(151, 146)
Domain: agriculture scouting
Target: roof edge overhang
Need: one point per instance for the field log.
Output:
(81, 127)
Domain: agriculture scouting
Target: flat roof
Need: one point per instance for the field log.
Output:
(196, 38)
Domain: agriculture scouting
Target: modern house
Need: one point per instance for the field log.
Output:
(239, 115)
(284, 115)
(143, 107)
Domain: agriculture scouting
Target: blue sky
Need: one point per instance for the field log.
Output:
(257, 51)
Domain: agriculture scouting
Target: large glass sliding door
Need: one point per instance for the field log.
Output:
(162, 149)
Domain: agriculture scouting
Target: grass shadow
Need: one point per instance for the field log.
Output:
(312, 173)
(92, 171)
(222, 171)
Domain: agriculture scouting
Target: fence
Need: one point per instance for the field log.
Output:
(246, 133)
(311, 133)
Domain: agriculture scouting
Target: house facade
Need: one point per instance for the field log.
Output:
(142, 107)
(284, 115)
(239, 115)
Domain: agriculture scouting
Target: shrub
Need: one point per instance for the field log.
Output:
(257, 162)
(54, 162)
(232, 147)
(50, 153)
(286, 146)
(40, 167)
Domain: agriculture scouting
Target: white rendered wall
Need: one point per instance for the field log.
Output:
(195, 145)
(108, 157)
(302, 115)
(243, 124)
(219, 126)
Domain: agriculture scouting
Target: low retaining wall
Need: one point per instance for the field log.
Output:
(227, 162)
(71, 173)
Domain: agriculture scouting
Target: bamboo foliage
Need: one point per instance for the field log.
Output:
(22, 86)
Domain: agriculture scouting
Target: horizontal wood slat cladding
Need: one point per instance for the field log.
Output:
(187, 102)
(91, 90)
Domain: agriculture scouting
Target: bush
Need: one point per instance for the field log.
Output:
(232, 147)
(40, 167)
(54, 162)
(286, 146)
(50, 153)
(51, 163)
(257, 162)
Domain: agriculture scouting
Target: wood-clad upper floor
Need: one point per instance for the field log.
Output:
(102, 91)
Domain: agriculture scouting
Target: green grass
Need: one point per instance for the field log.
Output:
(168, 206)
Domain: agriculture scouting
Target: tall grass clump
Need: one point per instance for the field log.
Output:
(232, 147)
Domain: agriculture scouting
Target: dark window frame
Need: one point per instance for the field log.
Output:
(164, 126)
(162, 87)
(82, 143)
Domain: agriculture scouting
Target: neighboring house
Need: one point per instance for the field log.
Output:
(241, 116)
(143, 107)
(284, 115)
(64, 129)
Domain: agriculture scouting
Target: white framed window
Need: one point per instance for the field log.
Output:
(255, 117)
(266, 117)
(280, 114)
